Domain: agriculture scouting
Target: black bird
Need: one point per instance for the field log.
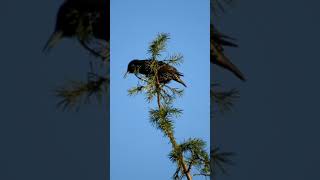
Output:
(166, 72)
(218, 41)
(76, 15)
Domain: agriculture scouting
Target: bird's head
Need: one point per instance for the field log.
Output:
(67, 22)
(68, 18)
(133, 66)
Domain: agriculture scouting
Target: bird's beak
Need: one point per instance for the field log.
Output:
(53, 40)
(125, 75)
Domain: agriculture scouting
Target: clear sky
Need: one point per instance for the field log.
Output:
(138, 150)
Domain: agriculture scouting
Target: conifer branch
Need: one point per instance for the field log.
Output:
(77, 92)
(219, 160)
(190, 153)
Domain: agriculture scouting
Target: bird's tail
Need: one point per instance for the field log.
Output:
(53, 40)
(179, 80)
(224, 62)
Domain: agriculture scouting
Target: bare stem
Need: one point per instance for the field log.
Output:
(170, 134)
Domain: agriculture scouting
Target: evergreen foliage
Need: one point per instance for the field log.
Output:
(189, 155)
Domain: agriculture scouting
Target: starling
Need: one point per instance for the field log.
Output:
(166, 72)
(218, 41)
(76, 14)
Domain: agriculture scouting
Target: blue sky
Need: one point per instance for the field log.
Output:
(138, 150)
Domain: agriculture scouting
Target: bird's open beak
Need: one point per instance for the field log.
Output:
(53, 40)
